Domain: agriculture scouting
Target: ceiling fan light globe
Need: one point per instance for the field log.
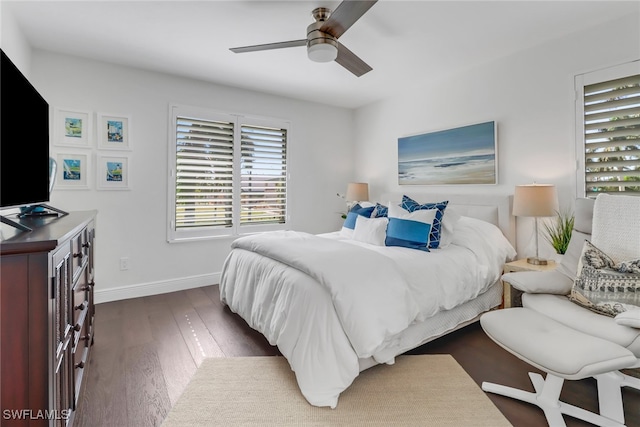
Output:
(322, 52)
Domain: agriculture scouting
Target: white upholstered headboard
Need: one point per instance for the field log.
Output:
(493, 208)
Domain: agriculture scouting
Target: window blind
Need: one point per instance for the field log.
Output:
(263, 175)
(612, 136)
(204, 173)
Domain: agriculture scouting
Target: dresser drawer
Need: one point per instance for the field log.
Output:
(79, 252)
(80, 361)
(80, 309)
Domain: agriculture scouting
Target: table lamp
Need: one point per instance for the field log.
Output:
(535, 200)
(357, 192)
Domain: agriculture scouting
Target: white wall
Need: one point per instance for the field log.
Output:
(13, 42)
(529, 94)
(133, 223)
(531, 97)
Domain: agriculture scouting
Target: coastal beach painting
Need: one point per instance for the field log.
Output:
(463, 155)
(114, 172)
(72, 171)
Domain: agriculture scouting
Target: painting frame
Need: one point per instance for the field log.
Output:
(114, 132)
(113, 172)
(464, 155)
(72, 128)
(72, 171)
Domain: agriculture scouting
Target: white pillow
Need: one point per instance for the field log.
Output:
(370, 230)
(629, 318)
(449, 221)
(421, 215)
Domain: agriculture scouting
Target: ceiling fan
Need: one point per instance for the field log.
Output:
(322, 36)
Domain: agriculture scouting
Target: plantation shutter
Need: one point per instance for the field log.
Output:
(204, 173)
(263, 175)
(612, 136)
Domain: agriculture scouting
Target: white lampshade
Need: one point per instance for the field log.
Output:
(535, 200)
(322, 52)
(357, 192)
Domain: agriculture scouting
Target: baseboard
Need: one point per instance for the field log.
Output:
(154, 288)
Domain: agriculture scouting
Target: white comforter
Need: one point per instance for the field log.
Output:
(327, 301)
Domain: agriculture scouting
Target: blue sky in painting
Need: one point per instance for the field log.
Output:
(467, 140)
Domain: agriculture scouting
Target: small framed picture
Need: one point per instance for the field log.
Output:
(113, 173)
(114, 132)
(72, 128)
(72, 171)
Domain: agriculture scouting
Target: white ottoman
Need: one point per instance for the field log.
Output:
(561, 352)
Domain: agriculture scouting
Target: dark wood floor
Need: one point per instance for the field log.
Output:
(147, 349)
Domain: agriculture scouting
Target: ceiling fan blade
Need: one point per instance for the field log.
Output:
(345, 15)
(351, 62)
(269, 46)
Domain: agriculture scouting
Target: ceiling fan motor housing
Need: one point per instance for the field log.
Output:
(322, 36)
(321, 47)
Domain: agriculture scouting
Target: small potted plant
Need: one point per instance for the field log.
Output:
(558, 232)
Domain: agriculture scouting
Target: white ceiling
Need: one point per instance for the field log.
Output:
(406, 42)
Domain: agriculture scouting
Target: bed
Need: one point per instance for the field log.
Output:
(335, 306)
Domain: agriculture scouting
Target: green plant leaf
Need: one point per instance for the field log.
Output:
(558, 234)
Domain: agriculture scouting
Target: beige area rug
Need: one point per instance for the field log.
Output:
(423, 390)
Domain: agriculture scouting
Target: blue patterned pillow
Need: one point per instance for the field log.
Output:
(380, 211)
(409, 229)
(411, 205)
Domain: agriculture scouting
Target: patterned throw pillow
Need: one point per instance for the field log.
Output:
(604, 286)
(411, 205)
(380, 211)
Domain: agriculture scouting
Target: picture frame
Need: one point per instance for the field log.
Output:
(72, 172)
(72, 128)
(113, 172)
(114, 131)
(462, 155)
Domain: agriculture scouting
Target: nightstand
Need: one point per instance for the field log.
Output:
(513, 297)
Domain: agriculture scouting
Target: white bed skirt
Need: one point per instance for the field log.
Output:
(441, 324)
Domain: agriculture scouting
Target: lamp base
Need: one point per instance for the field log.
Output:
(536, 261)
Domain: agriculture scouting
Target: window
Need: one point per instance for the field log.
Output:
(608, 131)
(228, 174)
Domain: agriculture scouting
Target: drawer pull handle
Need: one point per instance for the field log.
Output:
(86, 245)
(77, 327)
(85, 337)
(81, 306)
(78, 255)
(80, 365)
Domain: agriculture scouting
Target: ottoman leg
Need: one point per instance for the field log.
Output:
(547, 398)
(610, 395)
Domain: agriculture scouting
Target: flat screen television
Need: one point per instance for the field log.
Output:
(24, 140)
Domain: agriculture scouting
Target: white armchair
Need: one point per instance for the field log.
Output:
(586, 343)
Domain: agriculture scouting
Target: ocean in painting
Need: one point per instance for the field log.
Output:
(472, 169)
(463, 155)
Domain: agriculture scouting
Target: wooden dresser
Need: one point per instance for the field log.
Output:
(46, 318)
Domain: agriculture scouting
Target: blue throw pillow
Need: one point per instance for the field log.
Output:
(411, 205)
(409, 229)
(380, 211)
(350, 221)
